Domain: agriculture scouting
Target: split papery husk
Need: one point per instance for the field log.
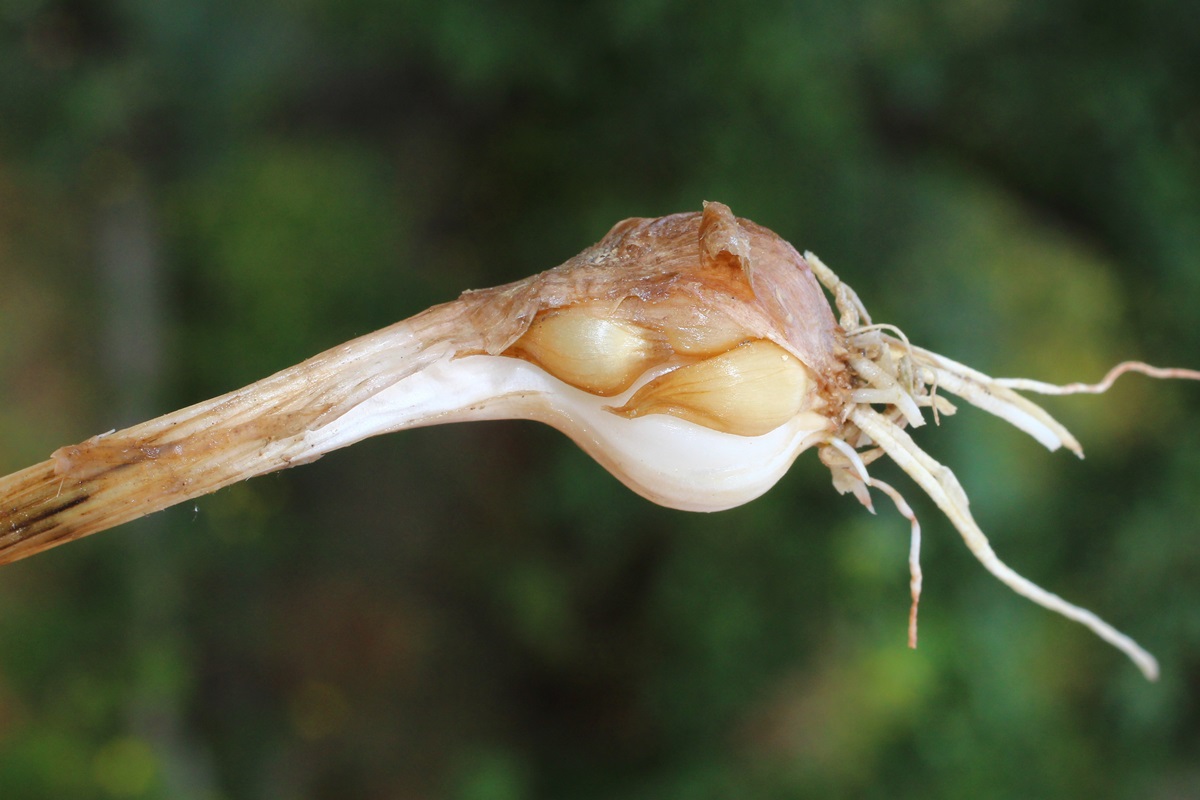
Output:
(709, 262)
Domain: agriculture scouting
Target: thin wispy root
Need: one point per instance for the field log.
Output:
(860, 480)
(943, 487)
(904, 377)
(1027, 385)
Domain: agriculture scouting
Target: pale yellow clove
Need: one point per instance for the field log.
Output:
(581, 346)
(749, 391)
(713, 337)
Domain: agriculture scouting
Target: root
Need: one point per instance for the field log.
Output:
(1026, 385)
(853, 313)
(891, 372)
(887, 390)
(859, 480)
(944, 489)
(982, 392)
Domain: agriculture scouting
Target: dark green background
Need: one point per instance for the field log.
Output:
(196, 194)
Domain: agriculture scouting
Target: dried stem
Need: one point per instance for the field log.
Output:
(280, 421)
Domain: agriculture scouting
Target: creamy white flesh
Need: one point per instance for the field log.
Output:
(666, 459)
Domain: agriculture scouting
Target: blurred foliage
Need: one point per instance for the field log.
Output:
(481, 613)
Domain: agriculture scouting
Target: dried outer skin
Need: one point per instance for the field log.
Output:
(685, 266)
(708, 260)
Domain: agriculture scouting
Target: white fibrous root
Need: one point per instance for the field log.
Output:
(694, 356)
(917, 374)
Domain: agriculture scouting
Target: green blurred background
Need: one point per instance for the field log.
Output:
(196, 194)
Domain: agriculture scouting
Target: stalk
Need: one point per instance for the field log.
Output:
(286, 419)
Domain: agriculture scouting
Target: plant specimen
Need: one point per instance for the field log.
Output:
(695, 356)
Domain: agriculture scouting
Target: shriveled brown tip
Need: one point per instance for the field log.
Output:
(722, 238)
